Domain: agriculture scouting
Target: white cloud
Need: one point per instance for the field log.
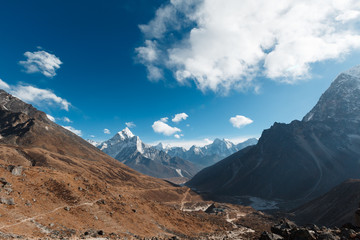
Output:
(208, 141)
(177, 136)
(41, 61)
(70, 128)
(38, 96)
(162, 127)
(150, 54)
(222, 45)
(179, 117)
(34, 95)
(92, 136)
(164, 119)
(107, 131)
(240, 121)
(4, 85)
(66, 119)
(51, 118)
(130, 124)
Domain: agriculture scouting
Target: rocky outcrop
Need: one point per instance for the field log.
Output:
(287, 230)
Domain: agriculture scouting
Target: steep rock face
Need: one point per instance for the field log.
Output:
(297, 161)
(130, 150)
(341, 100)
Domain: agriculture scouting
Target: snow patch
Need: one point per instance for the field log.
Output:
(354, 71)
(179, 172)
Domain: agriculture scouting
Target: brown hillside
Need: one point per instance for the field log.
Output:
(54, 184)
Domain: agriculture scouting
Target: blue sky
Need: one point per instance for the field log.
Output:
(179, 60)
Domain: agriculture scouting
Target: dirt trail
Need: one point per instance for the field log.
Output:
(47, 213)
(184, 198)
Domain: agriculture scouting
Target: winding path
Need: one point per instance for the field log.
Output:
(47, 213)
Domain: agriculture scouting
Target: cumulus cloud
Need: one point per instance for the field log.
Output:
(51, 118)
(66, 119)
(41, 61)
(107, 131)
(179, 117)
(240, 121)
(222, 45)
(4, 85)
(164, 119)
(130, 124)
(38, 96)
(149, 54)
(177, 136)
(70, 128)
(163, 128)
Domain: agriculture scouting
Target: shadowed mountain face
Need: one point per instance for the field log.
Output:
(335, 208)
(55, 185)
(297, 161)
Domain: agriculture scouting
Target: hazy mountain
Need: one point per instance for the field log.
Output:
(209, 154)
(130, 150)
(301, 160)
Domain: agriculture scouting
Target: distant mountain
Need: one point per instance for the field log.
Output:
(92, 142)
(297, 161)
(209, 154)
(130, 150)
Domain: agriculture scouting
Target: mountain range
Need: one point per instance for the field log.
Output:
(296, 162)
(166, 162)
(208, 154)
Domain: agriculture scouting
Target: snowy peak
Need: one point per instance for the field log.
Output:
(341, 101)
(125, 134)
(354, 71)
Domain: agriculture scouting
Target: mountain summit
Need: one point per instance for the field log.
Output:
(341, 101)
(297, 161)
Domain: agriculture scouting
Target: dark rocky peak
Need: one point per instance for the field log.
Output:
(9, 103)
(341, 101)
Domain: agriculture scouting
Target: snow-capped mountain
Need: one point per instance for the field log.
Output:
(92, 142)
(209, 154)
(130, 150)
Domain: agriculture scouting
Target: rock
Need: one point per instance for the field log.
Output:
(284, 228)
(7, 201)
(348, 233)
(302, 234)
(328, 236)
(101, 232)
(101, 201)
(67, 208)
(270, 236)
(17, 171)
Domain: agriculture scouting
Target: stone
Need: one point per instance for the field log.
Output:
(302, 234)
(7, 201)
(270, 236)
(17, 170)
